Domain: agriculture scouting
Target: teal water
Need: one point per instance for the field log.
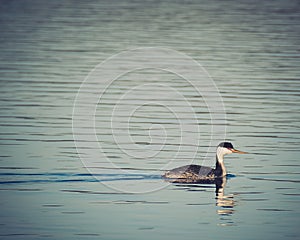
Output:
(251, 51)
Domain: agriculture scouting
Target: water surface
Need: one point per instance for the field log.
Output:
(251, 51)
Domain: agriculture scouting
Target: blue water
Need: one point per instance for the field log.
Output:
(52, 187)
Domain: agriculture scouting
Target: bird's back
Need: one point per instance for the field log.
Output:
(192, 172)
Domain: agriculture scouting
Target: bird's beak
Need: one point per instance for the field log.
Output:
(237, 151)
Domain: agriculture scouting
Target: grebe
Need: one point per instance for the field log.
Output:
(197, 173)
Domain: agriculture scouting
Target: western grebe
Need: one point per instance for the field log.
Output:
(196, 173)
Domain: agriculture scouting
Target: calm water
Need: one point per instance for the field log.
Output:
(250, 50)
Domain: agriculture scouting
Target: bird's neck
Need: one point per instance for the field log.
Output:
(220, 170)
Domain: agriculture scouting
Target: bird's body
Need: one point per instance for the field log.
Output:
(195, 173)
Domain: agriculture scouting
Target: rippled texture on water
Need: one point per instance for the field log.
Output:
(250, 49)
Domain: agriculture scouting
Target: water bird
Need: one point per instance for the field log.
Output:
(196, 173)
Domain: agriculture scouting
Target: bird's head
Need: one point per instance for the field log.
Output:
(227, 148)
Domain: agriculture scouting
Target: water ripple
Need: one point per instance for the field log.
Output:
(73, 177)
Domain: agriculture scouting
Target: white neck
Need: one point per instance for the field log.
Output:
(220, 159)
(220, 155)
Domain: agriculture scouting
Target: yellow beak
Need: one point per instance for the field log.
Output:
(237, 151)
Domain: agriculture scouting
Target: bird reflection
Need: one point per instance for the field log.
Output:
(224, 203)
